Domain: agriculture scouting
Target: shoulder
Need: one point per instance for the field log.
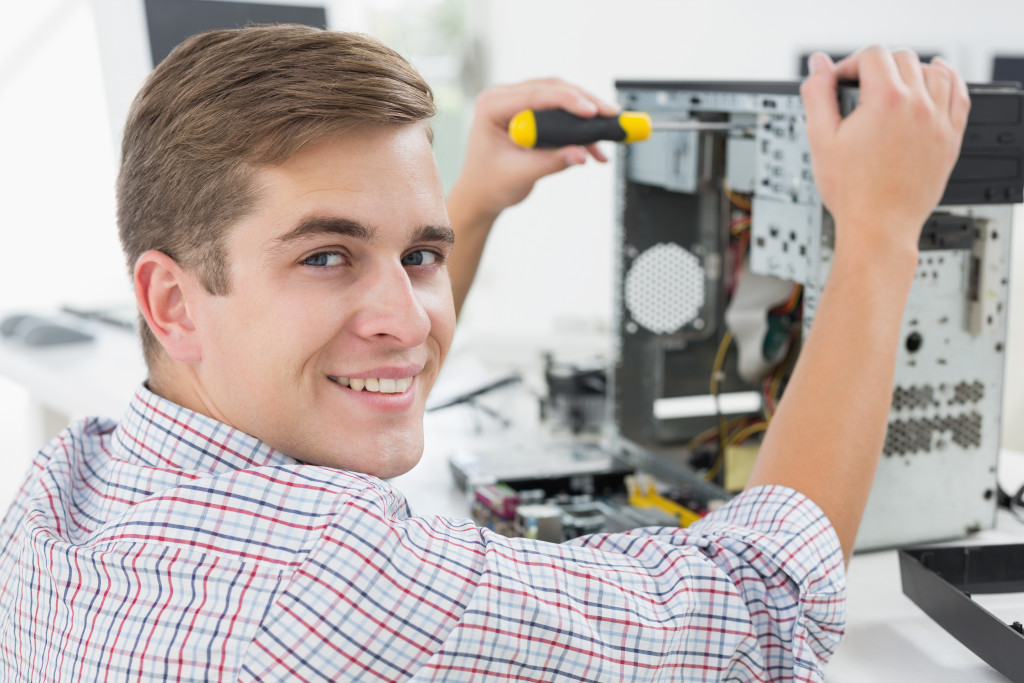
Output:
(83, 439)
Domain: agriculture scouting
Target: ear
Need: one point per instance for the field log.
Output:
(163, 290)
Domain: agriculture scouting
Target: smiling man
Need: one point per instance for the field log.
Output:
(339, 313)
(298, 290)
(290, 248)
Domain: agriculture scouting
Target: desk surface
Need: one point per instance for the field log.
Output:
(888, 638)
(97, 377)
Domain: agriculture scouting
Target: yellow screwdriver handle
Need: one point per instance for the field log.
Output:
(558, 128)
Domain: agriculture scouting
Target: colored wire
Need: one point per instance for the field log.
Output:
(736, 198)
(716, 369)
(747, 432)
(723, 428)
(700, 439)
(791, 303)
(766, 391)
(738, 225)
(711, 433)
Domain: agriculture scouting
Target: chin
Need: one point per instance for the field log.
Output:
(385, 457)
(394, 464)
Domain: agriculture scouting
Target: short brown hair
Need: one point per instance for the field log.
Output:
(224, 103)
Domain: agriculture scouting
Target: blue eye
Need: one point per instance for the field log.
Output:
(421, 257)
(324, 259)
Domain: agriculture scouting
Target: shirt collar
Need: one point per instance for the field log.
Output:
(160, 433)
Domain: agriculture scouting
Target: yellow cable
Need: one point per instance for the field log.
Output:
(703, 436)
(723, 346)
(766, 388)
(716, 369)
(739, 200)
(747, 432)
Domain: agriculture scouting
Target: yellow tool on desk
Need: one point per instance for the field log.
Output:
(644, 494)
(558, 128)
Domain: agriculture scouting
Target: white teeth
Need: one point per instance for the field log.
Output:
(381, 385)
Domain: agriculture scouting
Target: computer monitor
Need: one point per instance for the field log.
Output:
(1008, 68)
(171, 21)
(135, 36)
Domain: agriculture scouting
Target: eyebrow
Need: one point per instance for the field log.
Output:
(331, 225)
(435, 233)
(323, 225)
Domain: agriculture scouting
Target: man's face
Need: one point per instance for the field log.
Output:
(340, 312)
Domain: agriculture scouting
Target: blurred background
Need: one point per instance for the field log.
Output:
(68, 70)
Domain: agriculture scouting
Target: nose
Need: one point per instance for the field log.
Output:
(390, 307)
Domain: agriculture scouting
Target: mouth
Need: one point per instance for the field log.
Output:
(376, 385)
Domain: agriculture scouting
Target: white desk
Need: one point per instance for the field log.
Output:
(888, 637)
(97, 377)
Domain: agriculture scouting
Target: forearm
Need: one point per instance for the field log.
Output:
(472, 225)
(827, 434)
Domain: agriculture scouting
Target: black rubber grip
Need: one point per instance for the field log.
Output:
(558, 128)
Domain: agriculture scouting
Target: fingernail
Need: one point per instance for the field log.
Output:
(588, 106)
(816, 61)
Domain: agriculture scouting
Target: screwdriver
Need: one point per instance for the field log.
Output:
(557, 127)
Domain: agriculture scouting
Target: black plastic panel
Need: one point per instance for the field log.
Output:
(940, 581)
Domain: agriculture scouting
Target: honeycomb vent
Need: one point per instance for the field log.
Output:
(664, 288)
(916, 435)
(904, 398)
(965, 393)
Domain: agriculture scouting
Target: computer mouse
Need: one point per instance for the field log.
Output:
(50, 333)
(33, 330)
(9, 324)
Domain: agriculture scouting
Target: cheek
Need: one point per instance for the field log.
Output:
(440, 306)
(250, 333)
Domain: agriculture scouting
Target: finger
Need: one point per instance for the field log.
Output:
(597, 153)
(939, 82)
(573, 155)
(960, 100)
(819, 96)
(873, 67)
(909, 66)
(604, 108)
(504, 102)
(542, 162)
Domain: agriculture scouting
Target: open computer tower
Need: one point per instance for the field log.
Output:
(723, 249)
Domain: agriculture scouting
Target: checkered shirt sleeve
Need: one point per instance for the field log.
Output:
(755, 592)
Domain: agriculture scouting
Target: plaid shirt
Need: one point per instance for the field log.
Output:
(170, 546)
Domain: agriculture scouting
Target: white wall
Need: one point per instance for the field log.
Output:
(58, 168)
(548, 266)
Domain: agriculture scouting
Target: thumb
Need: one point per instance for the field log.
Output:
(820, 101)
